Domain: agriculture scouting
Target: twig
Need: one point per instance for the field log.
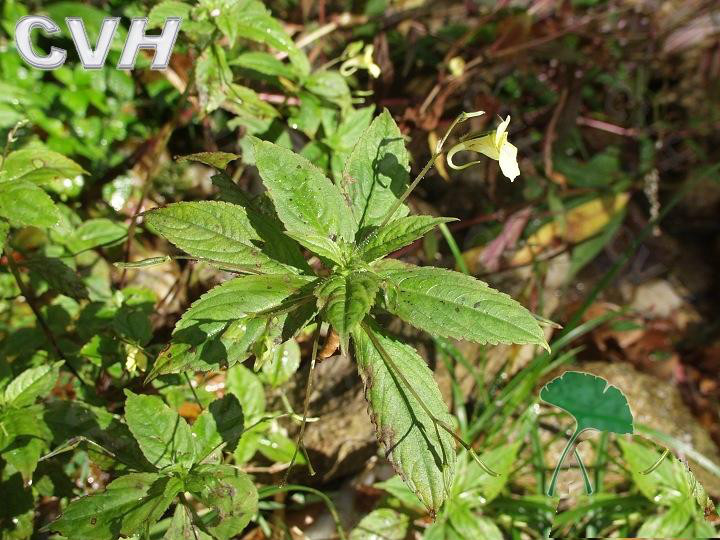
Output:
(10, 139)
(160, 141)
(192, 389)
(550, 133)
(31, 300)
(306, 405)
(462, 117)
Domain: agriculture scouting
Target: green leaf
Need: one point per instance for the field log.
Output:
(247, 387)
(94, 233)
(92, 17)
(73, 420)
(670, 524)
(345, 300)
(219, 160)
(164, 437)
(376, 173)
(133, 323)
(320, 245)
(151, 508)
(59, 276)
(218, 232)
(279, 449)
(397, 234)
(24, 437)
(264, 63)
(248, 445)
(219, 329)
(31, 384)
(469, 525)
(165, 9)
(182, 527)
(222, 422)
(212, 78)
(128, 504)
(331, 86)
(230, 493)
(306, 201)
(382, 524)
(670, 483)
(284, 362)
(250, 19)
(23, 203)
(450, 304)
(419, 450)
(500, 460)
(593, 402)
(38, 165)
(265, 222)
(400, 491)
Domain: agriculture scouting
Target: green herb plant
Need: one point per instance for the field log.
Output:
(349, 227)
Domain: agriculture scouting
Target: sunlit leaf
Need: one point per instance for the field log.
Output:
(163, 435)
(421, 452)
(594, 404)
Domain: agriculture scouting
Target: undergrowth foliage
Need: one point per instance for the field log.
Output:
(115, 424)
(350, 226)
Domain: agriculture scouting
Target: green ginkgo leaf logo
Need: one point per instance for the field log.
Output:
(594, 403)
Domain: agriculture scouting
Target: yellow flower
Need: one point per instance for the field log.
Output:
(359, 61)
(493, 145)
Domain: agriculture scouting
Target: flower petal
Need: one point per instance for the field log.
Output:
(501, 130)
(484, 145)
(508, 161)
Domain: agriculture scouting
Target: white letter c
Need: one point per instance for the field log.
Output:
(24, 26)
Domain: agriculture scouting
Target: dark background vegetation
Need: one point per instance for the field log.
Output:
(611, 231)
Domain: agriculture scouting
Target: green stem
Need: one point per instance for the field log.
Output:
(306, 405)
(583, 470)
(192, 389)
(29, 295)
(438, 151)
(655, 465)
(601, 460)
(553, 481)
(454, 249)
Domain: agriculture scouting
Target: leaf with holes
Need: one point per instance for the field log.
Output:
(227, 491)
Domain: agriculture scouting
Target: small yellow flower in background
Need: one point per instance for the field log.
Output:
(356, 61)
(495, 146)
(456, 66)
